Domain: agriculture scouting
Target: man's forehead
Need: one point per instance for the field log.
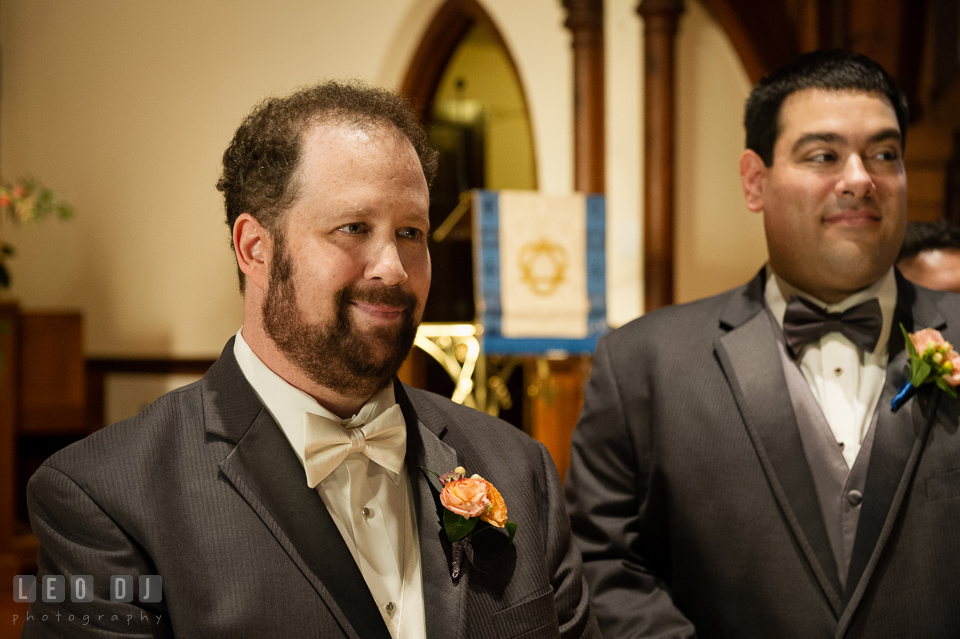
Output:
(349, 147)
(815, 102)
(327, 131)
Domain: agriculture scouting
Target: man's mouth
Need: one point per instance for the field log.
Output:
(381, 304)
(853, 217)
(380, 311)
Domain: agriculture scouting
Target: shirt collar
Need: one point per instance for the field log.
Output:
(288, 405)
(778, 291)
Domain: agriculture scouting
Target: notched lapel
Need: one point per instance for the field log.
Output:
(893, 459)
(267, 474)
(897, 446)
(751, 361)
(443, 596)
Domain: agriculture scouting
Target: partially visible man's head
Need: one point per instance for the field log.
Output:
(827, 70)
(824, 165)
(261, 163)
(327, 197)
(930, 255)
(350, 274)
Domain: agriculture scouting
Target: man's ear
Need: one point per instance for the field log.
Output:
(752, 177)
(251, 244)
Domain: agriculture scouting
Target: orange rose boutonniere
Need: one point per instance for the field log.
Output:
(467, 501)
(932, 361)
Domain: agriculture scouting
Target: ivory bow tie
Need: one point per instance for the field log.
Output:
(383, 440)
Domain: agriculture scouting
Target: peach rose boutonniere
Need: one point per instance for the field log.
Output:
(468, 501)
(932, 361)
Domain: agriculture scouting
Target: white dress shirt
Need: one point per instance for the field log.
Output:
(845, 381)
(371, 506)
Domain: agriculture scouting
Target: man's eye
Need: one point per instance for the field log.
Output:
(887, 156)
(352, 229)
(821, 158)
(410, 233)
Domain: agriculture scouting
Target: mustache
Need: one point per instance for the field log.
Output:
(377, 295)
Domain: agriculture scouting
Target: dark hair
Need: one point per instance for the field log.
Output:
(264, 154)
(929, 236)
(829, 70)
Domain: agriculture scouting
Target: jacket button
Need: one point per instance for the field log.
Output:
(855, 497)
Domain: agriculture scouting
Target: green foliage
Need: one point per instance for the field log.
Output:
(457, 526)
(924, 369)
(28, 200)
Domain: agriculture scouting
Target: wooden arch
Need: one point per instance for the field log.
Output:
(761, 32)
(447, 28)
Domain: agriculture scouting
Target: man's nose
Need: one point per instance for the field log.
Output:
(385, 264)
(855, 181)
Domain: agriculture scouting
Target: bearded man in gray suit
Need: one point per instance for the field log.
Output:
(738, 470)
(286, 494)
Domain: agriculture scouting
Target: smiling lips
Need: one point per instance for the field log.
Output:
(851, 217)
(385, 305)
(385, 312)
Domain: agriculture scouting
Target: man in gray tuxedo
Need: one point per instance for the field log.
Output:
(287, 493)
(738, 470)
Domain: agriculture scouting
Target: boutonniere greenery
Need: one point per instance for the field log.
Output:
(932, 361)
(471, 505)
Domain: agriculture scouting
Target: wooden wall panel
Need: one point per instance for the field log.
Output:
(9, 317)
(53, 381)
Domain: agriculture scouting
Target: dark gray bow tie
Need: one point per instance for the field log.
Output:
(805, 323)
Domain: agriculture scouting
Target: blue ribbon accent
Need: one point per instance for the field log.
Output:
(908, 391)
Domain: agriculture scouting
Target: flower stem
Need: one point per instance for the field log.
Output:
(908, 391)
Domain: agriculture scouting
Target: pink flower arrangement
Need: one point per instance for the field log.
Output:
(938, 353)
(466, 497)
(932, 361)
(466, 501)
(27, 201)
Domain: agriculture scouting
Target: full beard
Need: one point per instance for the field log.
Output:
(338, 354)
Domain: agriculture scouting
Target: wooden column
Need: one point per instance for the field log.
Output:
(585, 21)
(9, 374)
(660, 25)
(554, 408)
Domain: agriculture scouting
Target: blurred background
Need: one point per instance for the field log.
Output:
(124, 109)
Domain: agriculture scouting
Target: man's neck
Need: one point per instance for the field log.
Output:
(828, 298)
(343, 406)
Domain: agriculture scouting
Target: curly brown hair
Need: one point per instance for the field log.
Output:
(264, 154)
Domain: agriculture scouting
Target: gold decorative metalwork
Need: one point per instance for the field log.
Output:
(457, 349)
(543, 265)
(479, 382)
(545, 386)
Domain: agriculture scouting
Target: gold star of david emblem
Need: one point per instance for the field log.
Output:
(543, 265)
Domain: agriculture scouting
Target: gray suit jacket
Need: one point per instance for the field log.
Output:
(695, 508)
(203, 489)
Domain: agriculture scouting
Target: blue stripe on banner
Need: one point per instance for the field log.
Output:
(596, 265)
(496, 345)
(490, 260)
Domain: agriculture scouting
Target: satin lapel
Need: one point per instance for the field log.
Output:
(751, 360)
(897, 446)
(267, 474)
(443, 596)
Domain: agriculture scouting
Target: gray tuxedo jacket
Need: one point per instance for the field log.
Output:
(203, 489)
(696, 510)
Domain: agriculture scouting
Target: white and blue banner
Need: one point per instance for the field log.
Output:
(540, 265)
